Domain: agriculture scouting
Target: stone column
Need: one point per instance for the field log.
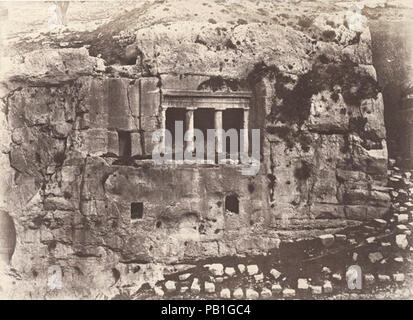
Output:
(218, 131)
(189, 130)
(245, 127)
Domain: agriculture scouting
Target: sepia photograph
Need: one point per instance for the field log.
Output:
(175, 151)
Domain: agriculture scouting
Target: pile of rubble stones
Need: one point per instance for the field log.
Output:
(318, 268)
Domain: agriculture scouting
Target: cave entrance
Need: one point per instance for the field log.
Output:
(7, 238)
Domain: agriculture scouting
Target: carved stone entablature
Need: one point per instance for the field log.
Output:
(202, 99)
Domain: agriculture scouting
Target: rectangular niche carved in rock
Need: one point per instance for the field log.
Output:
(125, 144)
(173, 115)
(232, 204)
(136, 210)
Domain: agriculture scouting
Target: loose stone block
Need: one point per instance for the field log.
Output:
(402, 218)
(184, 276)
(252, 269)
(327, 287)
(288, 293)
(399, 259)
(380, 222)
(159, 292)
(337, 276)
(375, 257)
(195, 287)
(340, 237)
(316, 290)
(209, 287)
(399, 277)
(302, 284)
(401, 227)
(259, 277)
(170, 286)
(276, 289)
(409, 204)
(219, 279)
(327, 239)
(238, 293)
(230, 271)
(266, 293)
(383, 278)
(326, 270)
(369, 279)
(225, 293)
(217, 269)
(275, 273)
(241, 268)
(251, 294)
(401, 241)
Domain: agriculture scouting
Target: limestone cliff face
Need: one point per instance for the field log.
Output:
(69, 192)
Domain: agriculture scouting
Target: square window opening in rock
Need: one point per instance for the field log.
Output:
(136, 210)
(232, 204)
(125, 144)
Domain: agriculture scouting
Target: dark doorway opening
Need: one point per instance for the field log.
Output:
(204, 120)
(136, 210)
(232, 204)
(125, 144)
(232, 119)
